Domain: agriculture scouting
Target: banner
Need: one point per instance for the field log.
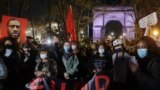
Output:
(23, 25)
(98, 82)
(70, 25)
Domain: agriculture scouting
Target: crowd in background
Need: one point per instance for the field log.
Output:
(128, 66)
(137, 68)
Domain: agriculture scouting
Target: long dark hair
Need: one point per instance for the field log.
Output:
(151, 46)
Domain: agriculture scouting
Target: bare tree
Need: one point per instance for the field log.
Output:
(141, 9)
(79, 7)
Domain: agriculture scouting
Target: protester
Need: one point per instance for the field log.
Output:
(101, 63)
(121, 72)
(147, 71)
(70, 62)
(12, 60)
(46, 66)
(27, 64)
(54, 48)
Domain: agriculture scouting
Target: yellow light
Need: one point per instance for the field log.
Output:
(155, 32)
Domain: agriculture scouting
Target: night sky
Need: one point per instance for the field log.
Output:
(39, 7)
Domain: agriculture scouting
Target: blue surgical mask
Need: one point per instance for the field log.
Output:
(43, 56)
(66, 49)
(101, 50)
(142, 53)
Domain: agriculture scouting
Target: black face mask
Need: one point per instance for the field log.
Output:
(118, 50)
(8, 46)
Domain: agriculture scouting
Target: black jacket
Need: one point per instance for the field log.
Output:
(148, 74)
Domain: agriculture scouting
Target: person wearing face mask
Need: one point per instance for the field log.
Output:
(70, 63)
(82, 60)
(11, 59)
(121, 73)
(101, 64)
(46, 67)
(147, 71)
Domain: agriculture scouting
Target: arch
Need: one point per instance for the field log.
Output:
(114, 26)
(113, 19)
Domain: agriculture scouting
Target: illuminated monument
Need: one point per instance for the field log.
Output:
(116, 19)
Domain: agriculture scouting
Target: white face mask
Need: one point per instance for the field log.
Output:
(101, 50)
(73, 46)
(43, 56)
(8, 52)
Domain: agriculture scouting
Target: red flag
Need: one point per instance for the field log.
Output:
(3, 31)
(70, 25)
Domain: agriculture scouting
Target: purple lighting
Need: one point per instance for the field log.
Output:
(103, 15)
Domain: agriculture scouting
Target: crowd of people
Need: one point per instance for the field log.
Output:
(70, 61)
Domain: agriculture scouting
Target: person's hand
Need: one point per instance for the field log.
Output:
(94, 70)
(133, 67)
(98, 70)
(66, 75)
(38, 73)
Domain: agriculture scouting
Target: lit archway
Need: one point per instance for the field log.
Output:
(114, 26)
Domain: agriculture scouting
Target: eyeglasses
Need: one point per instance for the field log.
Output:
(12, 26)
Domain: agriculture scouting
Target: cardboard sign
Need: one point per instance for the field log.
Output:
(148, 20)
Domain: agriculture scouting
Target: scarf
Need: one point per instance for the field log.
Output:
(70, 63)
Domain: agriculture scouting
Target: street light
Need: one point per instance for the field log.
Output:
(124, 34)
(112, 33)
(49, 41)
(155, 33)
(82, 32)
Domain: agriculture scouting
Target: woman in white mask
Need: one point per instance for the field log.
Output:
(101, 63)
(46, 67)
(147, 71)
